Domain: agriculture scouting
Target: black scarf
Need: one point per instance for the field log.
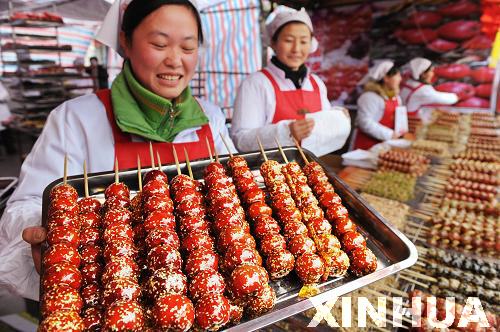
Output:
(297, 76)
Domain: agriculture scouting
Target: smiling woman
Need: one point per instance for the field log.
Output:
(149, 101)
(285, 100)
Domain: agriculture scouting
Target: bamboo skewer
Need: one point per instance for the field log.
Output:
(188, 164)
(416, 282)
(281, 150)
(151, 155)
(262, 149)
(209, 149)
(139, 173)
(117, 177)
(226, 145)
(302, 154)
(216, 155)
(85, 179)
(176, 160)
(159, 160)
(419, 275)
(65, 169)
(395, 291)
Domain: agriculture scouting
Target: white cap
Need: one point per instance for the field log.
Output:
(286, 15)
(109, 33)
(381, 69)
(418, 66)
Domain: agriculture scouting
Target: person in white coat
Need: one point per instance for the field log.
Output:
(285, 100)
(149, 101)
(377, 106)
(5, 115)
(418, 91)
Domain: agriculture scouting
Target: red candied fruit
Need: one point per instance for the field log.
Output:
(61, 297)
(352, 240)
(162, 236)
(279, 264)
(248, 280)
(212, 312)
(121, 289)
(63, 234)
(261, 302)
(89, 205)
(206, 282)
(64, 320)
(64, 190)
(174, 312)
(159, 219)
(301, 244)
(201, 260)
(309, 267)
(197, 240)
(164, 281)
(117, 190)
(164, 257)
(61, 253)
(124, 315)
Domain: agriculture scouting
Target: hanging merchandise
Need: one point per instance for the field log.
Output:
(490, 19)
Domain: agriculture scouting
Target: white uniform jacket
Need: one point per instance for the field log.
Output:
(371, 107)
(254, 109)
(424, 95)
(80, 128)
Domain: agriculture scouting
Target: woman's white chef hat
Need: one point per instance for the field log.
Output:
(109, 33)
(381, 69)
(418, 66)
(286, 15)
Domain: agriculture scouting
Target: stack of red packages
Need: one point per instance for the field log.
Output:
(490, 19)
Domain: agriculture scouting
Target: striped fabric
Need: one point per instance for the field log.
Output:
(233, 50)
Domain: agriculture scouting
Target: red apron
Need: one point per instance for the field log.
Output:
(412, 91)
(126, 151)
(365, 141)
(289, 103)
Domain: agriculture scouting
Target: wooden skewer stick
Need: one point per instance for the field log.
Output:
(65, 169)
(159, 160)
(139, 172)
(395, 291)
(261, 149)
(85, 179)
(301, 151)
(176, 160)
(188, 164)
(151, 155)
(117, 177)
(226, 145)
(209, 150)
(216, 155)
(281, 150)
(416, 282)
(418, 275)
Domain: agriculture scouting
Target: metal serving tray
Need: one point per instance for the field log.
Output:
(394, 250)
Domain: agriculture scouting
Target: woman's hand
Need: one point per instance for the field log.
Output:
(301, 129)
(35, 236)
(396, 135)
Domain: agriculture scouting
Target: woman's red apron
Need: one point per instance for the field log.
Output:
(290, 105)
(126, 150)
(364, 141)
(412, 91)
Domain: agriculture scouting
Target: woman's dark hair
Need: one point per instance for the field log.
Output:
(426, 71)
(138, 10)
(274, 39)
(393, 71)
